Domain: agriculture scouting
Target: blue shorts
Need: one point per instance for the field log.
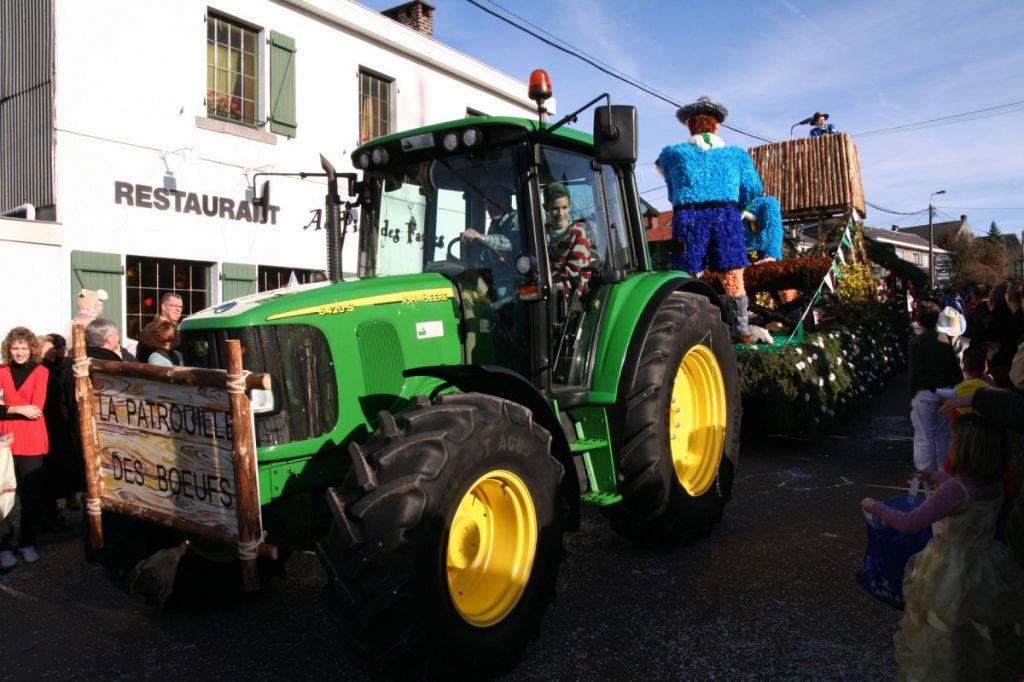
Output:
(708, 239)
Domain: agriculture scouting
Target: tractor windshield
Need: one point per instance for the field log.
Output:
(442, 214)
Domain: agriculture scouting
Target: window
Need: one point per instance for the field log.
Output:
(374, 106)
(917, 258)
(147, 279)
(271, 277)
(231, 71)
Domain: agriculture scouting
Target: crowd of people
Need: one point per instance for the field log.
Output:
(38, 413)
(964, 592)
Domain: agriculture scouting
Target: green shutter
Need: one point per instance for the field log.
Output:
(237, 279)
(282, 85)
(90, 270)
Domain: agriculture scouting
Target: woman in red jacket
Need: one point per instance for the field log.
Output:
(23, 386)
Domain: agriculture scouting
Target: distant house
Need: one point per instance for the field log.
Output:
(952, 228)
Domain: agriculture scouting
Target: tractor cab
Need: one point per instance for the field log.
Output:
(519, 216)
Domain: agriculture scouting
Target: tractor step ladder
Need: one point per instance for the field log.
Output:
(589, 450)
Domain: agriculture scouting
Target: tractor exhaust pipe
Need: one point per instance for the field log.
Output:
(332, 217)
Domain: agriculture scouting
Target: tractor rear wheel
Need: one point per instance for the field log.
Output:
(681, 429)
(446, 539)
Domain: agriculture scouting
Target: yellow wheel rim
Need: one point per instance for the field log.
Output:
(491, 546)
(697, 420)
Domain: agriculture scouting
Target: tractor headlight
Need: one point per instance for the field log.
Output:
(364, 160)
(471, 137)
(379, 156)
(450, 141)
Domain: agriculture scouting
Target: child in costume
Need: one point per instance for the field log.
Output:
(708, 184)
(964, 592)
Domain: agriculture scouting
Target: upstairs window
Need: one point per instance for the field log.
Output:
(374, 106)
(231, 71)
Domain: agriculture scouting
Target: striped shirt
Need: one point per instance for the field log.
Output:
(570, 253)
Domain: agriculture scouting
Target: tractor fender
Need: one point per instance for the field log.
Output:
(510, 385)
(643, 325)
(616, 372)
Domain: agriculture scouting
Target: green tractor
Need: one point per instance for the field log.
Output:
(440, 417)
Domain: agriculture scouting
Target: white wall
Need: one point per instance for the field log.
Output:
(33, 276)
(130, 85)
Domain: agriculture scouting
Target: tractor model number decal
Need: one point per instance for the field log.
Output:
(340, 307)
(336, 308)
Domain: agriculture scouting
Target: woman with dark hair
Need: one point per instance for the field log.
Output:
(23, 383)
(64, 475)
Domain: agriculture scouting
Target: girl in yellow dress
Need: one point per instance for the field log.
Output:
(964, 615)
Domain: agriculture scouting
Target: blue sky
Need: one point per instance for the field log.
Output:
(870, 65)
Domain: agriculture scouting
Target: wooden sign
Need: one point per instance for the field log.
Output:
(172, 445)
(167, 449)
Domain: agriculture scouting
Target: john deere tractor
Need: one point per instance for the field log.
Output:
(440, 417)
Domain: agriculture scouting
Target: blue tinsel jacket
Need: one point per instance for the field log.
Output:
(694, 175)
(767, 241)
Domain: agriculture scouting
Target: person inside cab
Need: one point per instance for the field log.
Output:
(568, 243)
(502, 231)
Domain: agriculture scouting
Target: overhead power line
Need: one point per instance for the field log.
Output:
(564, 46)
(889, 210)
(1000, 110)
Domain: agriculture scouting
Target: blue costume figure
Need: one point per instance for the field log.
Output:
(819, 127)
(708, 183)
(763, 219)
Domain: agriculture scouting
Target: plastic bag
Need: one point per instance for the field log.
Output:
(8, 484)
(889, 550)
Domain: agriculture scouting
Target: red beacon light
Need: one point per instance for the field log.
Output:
(540, 86)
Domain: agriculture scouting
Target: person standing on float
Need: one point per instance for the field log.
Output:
(709, 185)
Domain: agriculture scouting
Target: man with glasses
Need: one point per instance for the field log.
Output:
(171, 305)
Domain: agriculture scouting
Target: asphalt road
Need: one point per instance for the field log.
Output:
(770, 596)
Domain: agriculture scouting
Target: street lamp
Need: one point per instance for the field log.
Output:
(931, 238)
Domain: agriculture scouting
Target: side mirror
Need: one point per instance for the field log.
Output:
(615, 138)
(262, 201)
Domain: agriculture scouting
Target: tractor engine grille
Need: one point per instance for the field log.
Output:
(298, 360)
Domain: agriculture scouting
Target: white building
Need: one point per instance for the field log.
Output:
(131, 132)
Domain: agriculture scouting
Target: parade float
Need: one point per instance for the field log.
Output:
(839, 345)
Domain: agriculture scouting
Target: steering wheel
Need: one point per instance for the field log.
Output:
(477, 254)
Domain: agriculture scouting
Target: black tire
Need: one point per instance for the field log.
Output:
(389, 553)
(656, 507)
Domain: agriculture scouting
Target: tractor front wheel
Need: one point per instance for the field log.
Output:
(447, 538)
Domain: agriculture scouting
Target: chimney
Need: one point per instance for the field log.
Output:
(417, 15)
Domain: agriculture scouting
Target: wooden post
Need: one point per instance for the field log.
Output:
(90, 441)
(250, 532)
